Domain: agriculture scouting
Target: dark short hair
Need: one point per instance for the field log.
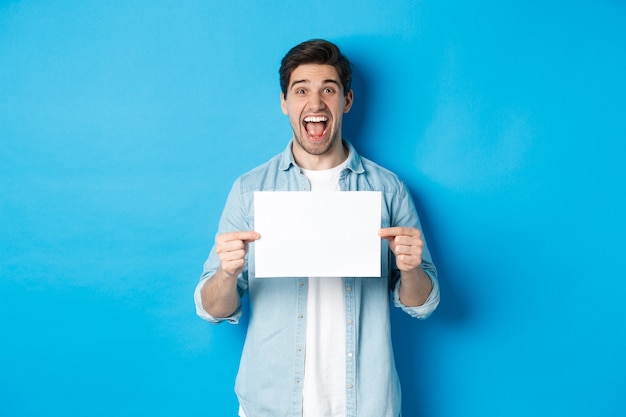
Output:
(315, 51)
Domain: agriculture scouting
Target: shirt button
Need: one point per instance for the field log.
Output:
(348, 288)
(349, 354)
(297, 380)
(349, 386)
(349, 321)
(301, 316)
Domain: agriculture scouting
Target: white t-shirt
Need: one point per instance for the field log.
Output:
(324, 390)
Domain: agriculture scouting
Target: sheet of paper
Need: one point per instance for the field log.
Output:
(317, 234)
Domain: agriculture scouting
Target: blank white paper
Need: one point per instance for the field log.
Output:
(307, 234)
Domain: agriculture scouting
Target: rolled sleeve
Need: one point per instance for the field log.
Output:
(426, 309)
(201, 312)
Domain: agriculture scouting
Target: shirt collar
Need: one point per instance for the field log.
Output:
(354, 160)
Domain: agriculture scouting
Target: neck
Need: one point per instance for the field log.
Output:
(330, 159)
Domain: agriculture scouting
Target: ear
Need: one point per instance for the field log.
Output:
(349, 98)
(283, 103)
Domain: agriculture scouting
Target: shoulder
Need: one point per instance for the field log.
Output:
(384, 178)
(261, 177)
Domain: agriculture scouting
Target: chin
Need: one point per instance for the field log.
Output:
(316, 148)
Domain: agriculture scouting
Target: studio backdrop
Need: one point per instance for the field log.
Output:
(124, 123)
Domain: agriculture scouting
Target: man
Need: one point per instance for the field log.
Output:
(318, 347)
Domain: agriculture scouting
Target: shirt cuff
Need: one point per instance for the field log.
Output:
(426, 309)
(201, 312)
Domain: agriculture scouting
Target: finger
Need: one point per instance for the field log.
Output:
(391, 232)
(234, 245)
(245, 236)
(404, 250)
(406, 263)
(233, 267)
(230, 246)
(229, 256)
(409, 251)
(408, 240)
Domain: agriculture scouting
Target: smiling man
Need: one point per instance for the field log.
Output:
(315, 102)
(318, 347)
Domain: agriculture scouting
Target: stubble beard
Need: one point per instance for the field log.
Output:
(324, 147)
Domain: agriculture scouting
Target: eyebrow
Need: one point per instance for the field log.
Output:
(305, 81)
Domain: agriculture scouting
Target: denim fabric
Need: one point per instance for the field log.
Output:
(271, 372)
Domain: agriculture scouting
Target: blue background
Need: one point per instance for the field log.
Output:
(124, 123)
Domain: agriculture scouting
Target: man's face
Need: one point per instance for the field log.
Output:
(315, 103)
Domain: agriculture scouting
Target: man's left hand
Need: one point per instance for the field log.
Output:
(407, 244)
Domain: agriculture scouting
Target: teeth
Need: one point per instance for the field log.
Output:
(314, 119)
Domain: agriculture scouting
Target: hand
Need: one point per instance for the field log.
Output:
(406, 243)
(231, 248)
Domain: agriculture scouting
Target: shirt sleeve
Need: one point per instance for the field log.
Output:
(406, 215)
(426, 309)
(233, 219)
(201, 312)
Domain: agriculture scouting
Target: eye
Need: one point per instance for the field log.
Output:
(300, 91)
(329, 90)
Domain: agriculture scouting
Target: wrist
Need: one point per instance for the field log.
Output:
(227, 275)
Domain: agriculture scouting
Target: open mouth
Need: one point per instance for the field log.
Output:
(316, 127)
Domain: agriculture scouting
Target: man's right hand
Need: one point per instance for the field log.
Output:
(231, 248)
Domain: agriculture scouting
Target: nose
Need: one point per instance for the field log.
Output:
(316, 103)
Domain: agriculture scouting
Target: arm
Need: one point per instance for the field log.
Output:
(406, 243)
(415, 287)
(219, 293)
